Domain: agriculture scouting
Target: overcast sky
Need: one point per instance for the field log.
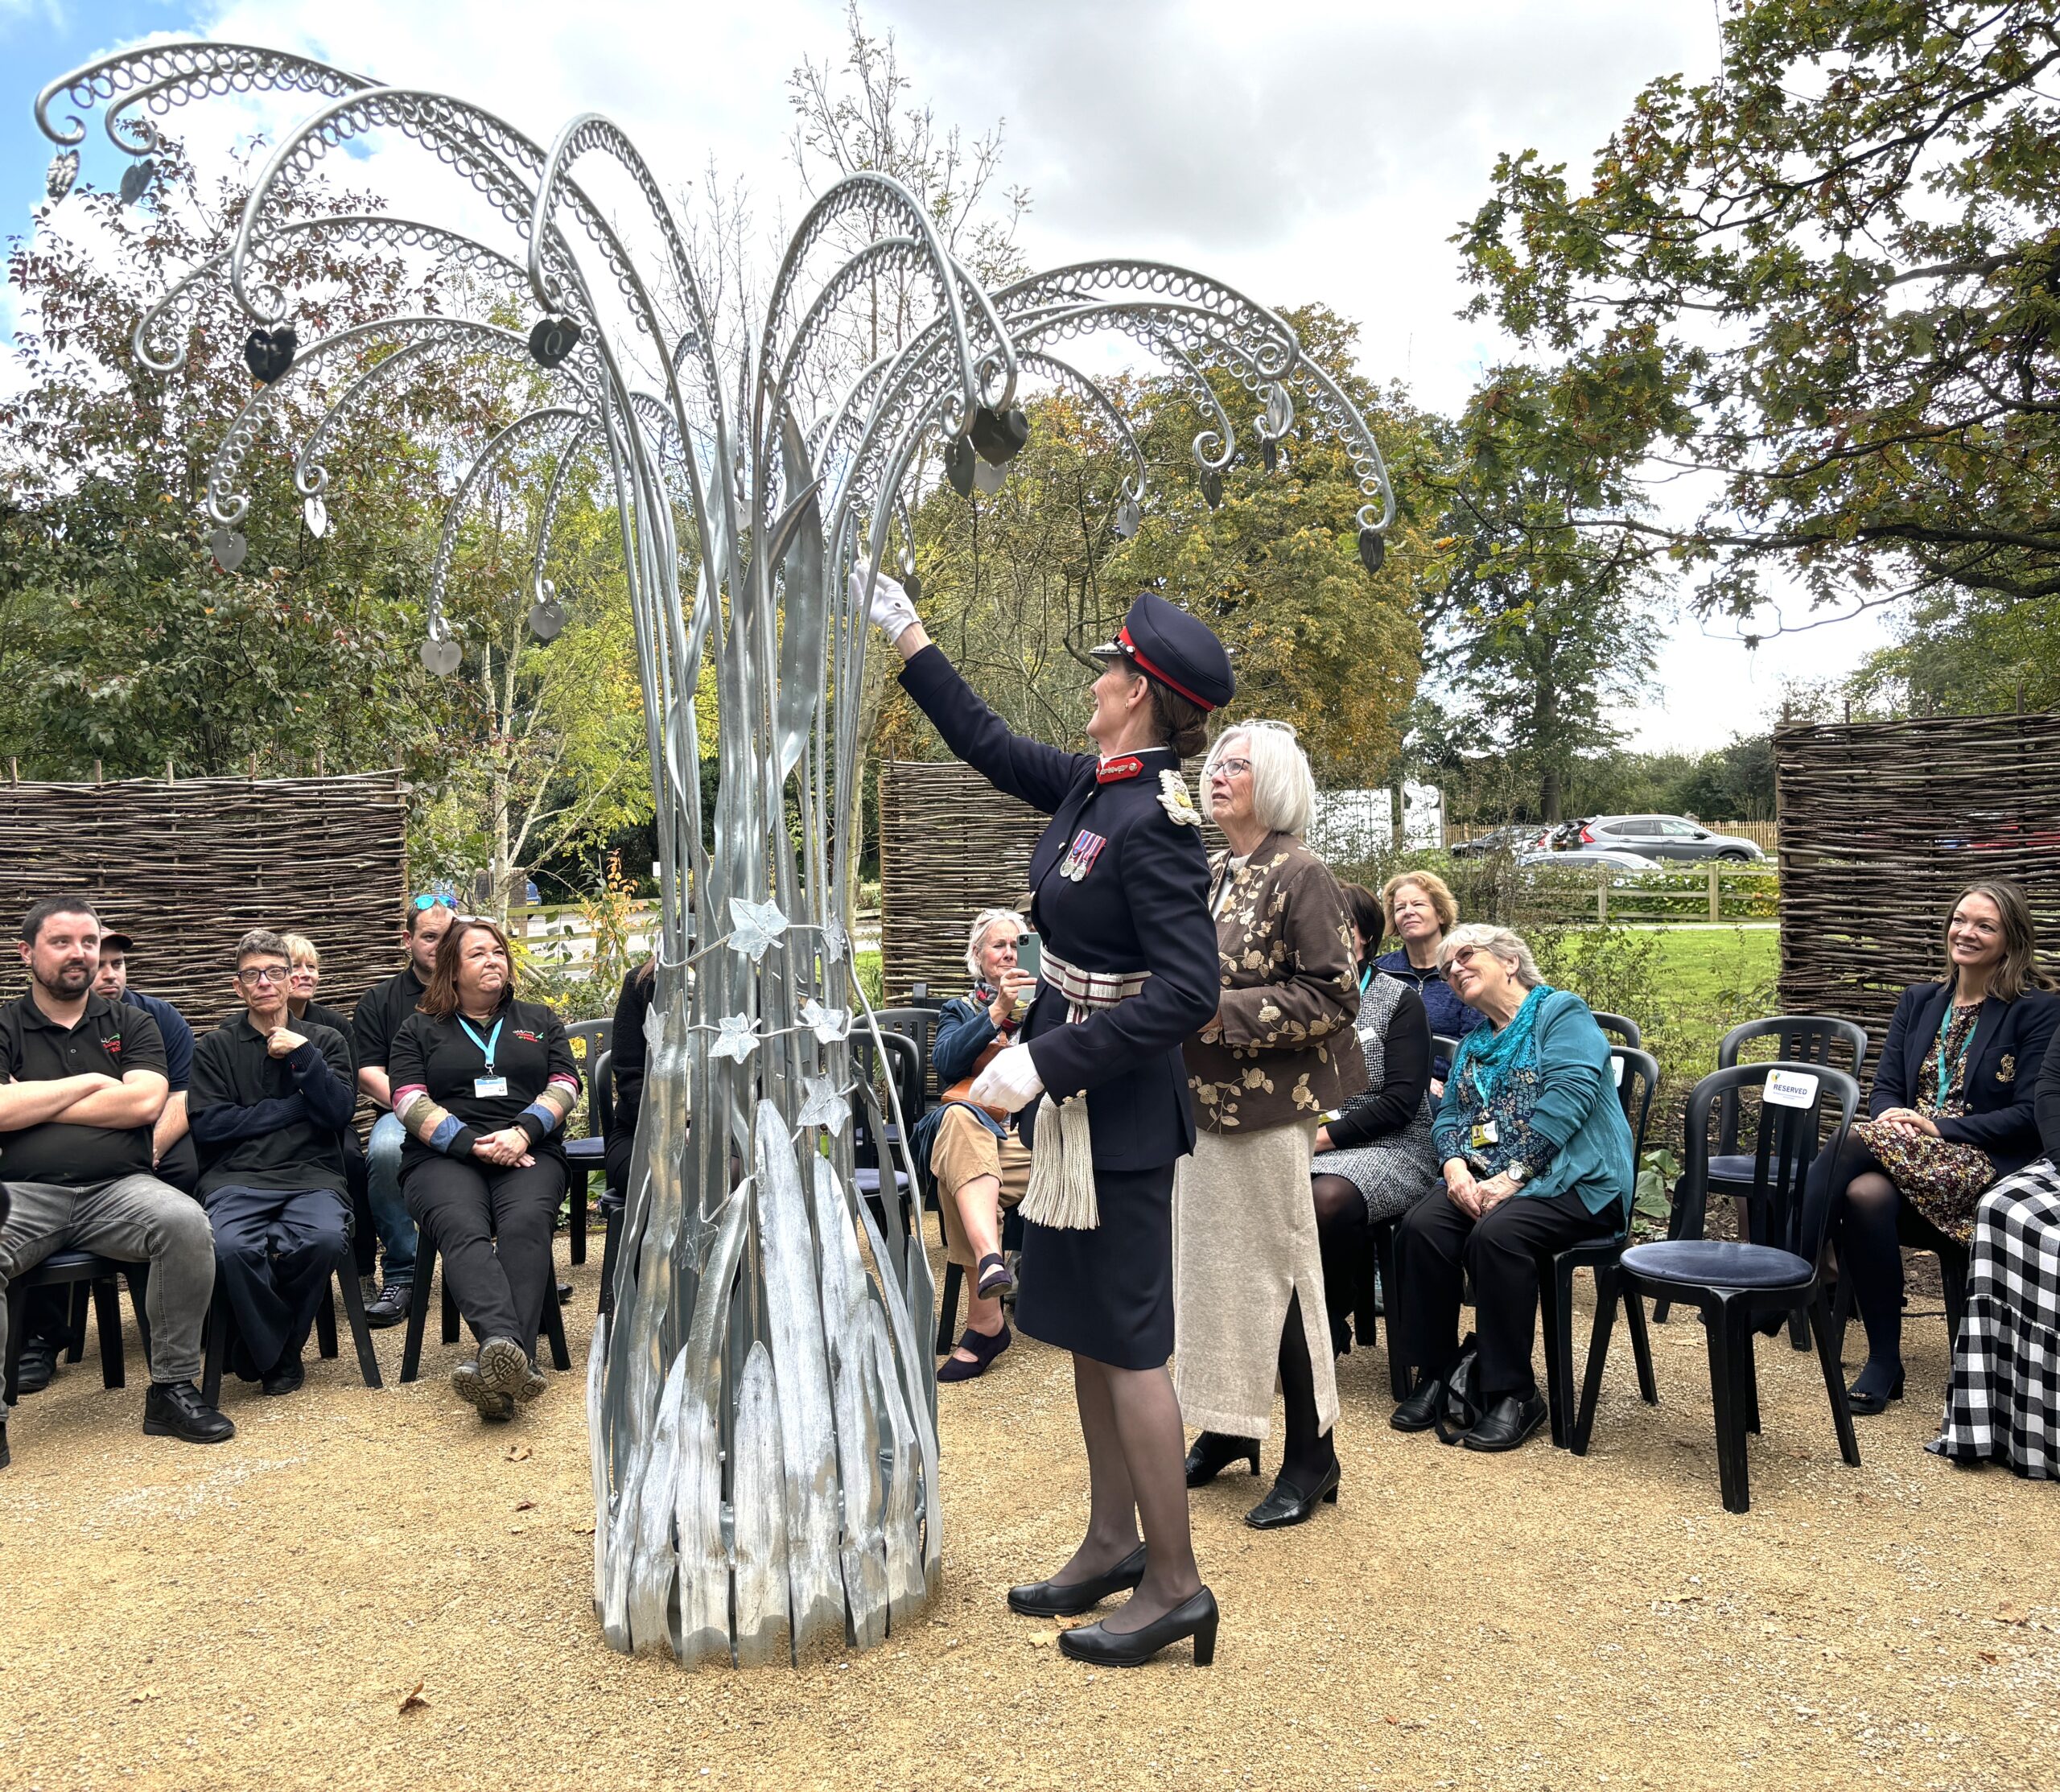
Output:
(1309, 148)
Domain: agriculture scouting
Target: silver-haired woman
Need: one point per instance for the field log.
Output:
(1248, 1292)
(1537, 1156)
(982, 1167)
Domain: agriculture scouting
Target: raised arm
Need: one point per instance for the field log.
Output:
(1013, 763)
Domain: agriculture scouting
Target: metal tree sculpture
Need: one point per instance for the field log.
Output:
(762, 1404)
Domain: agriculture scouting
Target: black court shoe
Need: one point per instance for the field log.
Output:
(1507, 1423)
(1214, 1453)
(1100, 1647)
(1287, 1504)
(1071, 1598)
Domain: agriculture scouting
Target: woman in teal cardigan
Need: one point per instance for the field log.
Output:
(1536, 1156)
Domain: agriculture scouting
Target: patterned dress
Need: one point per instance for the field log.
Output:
(1391, 1173)
(1942, 1178)
(2003, 1402)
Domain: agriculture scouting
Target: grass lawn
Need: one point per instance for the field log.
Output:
(1708, 965)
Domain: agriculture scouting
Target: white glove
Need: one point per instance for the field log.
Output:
(1010, 1081)
(889, 607)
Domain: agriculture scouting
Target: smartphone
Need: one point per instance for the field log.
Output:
(1030, 954)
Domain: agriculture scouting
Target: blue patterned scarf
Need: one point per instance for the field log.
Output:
(1491, 1057)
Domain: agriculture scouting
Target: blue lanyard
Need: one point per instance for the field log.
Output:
(1365, 977)
(1945, 1027)
(486, 1045)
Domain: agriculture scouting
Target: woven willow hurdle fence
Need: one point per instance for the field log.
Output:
(1882, 825)
(188, 867)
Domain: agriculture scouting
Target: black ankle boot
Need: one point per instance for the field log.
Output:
(1214, 1453)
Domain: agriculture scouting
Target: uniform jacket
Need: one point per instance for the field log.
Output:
(1141, 905)
(1290, 997)
(2002, 1065)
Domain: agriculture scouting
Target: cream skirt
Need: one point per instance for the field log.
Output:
(1245, 1244)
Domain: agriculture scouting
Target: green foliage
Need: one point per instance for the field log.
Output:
(1658, 1170)
(1828, 279)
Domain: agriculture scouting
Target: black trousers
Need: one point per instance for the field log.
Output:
(1438, 1244)
(493, 1228)
(365, 1236)
(275, 1250)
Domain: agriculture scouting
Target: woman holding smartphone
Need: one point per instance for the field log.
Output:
(1119, 888)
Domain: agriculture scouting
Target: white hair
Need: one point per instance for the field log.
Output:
(1507, 946)
(1283, 793)
(984, 923)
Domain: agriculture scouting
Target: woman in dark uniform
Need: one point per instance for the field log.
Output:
(1120, 902)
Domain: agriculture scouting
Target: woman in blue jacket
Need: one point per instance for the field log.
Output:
(1950, 1111)
(1536, 1156)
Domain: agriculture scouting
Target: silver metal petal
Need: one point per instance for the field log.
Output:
(758, 1518)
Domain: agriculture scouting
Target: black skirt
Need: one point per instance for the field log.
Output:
(1107, 1294)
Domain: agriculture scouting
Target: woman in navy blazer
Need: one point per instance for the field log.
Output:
(1951, 1111)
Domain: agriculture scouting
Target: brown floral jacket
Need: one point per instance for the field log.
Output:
(1291, 996)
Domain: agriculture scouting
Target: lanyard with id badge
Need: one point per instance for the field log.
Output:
(489, 1085)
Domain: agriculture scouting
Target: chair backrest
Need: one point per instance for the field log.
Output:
(1796, 1039)
(1622, 1026)
(600, 1096)
(907, 1070)
(917, 1024)
(1637, 1077)
(588, 1040)
(1803, 1109)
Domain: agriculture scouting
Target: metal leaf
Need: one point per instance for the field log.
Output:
(228, 549)
(738, 1038)
(758, 1525)
(803, 605)
(829, 1025)
(136, 179)
(59, 176)
(823, 1104)
(315, 514)
(754, 926)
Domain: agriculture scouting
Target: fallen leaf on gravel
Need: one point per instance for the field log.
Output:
(526, 1505)
(585, 1530)
(415, 1700)
(1988, 1654)
(137, 1698)
(1043, 1639)
(516, 1452)
(2012, 1614)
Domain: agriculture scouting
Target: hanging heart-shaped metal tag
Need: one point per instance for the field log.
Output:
(959, 463)
(315, 514)
(1128, 516)
(546, 619)
(442, 657)
(63, 171)
(552, 339)
(999, 435)
(269, 353)
(1373, 549)
(1212, 488)
(228, 549)
(912, 584)
(987, 477)
(136, 179)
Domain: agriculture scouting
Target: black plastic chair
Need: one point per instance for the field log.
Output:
(81, 1269)
(1734, 1285)
(918, 1025)
(584, 1156)
(1798, 1039)
(561, 1358)
(1622, 1026)
(221, 1331)
(868, 1177)
(1637, 1077)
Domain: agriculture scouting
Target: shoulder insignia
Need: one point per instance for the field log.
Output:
(1174, 799)
(1114, 770)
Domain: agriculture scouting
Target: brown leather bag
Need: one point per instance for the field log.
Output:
(963, 1089)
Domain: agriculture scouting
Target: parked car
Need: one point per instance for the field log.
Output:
(1518, 836)
(1666, 836)
(1590, 856)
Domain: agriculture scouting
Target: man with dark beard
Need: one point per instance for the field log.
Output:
(84, 1084)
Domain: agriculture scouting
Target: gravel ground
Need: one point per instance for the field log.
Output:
(258, 1614)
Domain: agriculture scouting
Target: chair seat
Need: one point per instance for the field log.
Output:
(585, 1151)
(866, 1180)
(1717, 1263)
(74, 1265)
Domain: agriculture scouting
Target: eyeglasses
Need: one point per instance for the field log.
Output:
(422, 904)
(258, 975)
(1233, 767)
(1464, 954)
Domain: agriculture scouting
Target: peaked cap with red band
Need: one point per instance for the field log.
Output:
(1164, 643)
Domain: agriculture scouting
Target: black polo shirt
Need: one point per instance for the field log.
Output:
(320, 1014)
(381, 1011)
(440, 1055)
(111, 1037)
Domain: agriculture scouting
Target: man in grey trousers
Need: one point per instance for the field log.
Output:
(82, 1082)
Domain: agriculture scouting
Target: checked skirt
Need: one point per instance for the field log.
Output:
(2004, 1402)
